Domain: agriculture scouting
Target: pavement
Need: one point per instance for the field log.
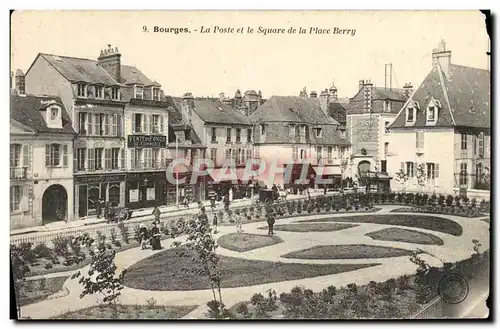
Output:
(454, 249)
(140, 215)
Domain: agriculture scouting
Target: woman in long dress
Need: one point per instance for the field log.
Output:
(155, 239)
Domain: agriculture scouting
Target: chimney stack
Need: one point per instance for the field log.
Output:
(187, 106)
(361, 84)
(442, 58)
(20, 82)
(313, 94)
(110, 61)
(368, 85)
(407, 89)
(221, 97)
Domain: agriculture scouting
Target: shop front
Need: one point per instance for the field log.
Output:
(328, 175)
(145, 189)
(192, 190)
(89, 189)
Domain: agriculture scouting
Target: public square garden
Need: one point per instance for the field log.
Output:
(331, 257)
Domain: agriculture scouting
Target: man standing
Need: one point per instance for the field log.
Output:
(157, 213)
(270, 224)
(99, 207)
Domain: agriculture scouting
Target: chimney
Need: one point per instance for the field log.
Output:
(110, 61)
(407, 89)
(324, 100)
(368, 85)
(333, 93)
(20, 82)
(442, 57)
(259, 96)
(221, 97)
(361, 84)
(187, 106)
(303, 93)
(313, 94)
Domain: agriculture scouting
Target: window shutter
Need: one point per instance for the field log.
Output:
(416, 140)
(151, 121)
(145, 123)
(26, 155)
(162, 157)
(65, 155)
(421, 140)
(89, 124)
(161, 123)
(132, 158)
(107, 158)
(24, 198)
(436, 170)
(47, 155)
(414, 169)
(122, 152)
(91, 161)
(133, 123)
(75, 159)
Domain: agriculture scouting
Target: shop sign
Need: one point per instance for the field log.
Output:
(86, 179)
(152, 141)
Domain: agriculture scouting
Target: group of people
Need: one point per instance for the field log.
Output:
(109, 210)
(150, 237)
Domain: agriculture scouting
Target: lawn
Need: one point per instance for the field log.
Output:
(348, 251)
(433, 223)
(35, 291)
(166, 271)
(311, 227)
(128, 312)
(245, 242)
(403, 235)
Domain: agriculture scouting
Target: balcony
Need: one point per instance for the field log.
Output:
(155, 165)
(19, 173)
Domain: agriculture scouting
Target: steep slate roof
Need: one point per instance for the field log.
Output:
(216, 112)
(357, 103)
(468, 92)
(292, 109)
(132, 75)
(175, 120)
(87, 70)
(337, 111)
(27, 111)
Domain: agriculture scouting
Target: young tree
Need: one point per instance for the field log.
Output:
(421, 176)
(102, 278)
(402, 178)
(202, 246)
(19, 268)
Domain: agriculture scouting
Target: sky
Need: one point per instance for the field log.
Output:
(209, 63)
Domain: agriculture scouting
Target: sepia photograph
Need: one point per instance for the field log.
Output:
(250, 165)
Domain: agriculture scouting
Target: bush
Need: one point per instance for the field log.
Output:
(42, 251)
(60, 244)
(242, 309)
(123, 232)
(114, 241)
(449, 200)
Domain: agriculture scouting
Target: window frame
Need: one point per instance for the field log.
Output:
(138, 88)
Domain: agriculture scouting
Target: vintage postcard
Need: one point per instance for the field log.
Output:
(250, 165)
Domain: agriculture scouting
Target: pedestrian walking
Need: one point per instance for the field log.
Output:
(270, 224)
(157, 213)
(215, 223)
(239, 224)
(106, 213)
(99, 205)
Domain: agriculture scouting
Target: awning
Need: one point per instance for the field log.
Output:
(223, 175)
(327, 170)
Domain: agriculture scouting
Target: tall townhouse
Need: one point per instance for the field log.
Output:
(41, 169)
(369, 114)
(120, 123)
(184, 143)
(298, 132)
(226, 133)
(442, 134)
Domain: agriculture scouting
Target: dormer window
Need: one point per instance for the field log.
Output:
(115, 93)
(81, 90)
(387, 106)
(410, 114)
(99, 91)
(138, 92)
(319, 132)
(54, 113)
(432, 111)
(155, 94)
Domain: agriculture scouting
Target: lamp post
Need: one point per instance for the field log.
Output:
(177, 178)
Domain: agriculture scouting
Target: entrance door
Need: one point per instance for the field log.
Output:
(82, 200)
(93, 199)
(54, 204)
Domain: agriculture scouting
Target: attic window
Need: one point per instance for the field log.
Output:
(387, 106)
(432, 111)
(138, 92)
(410, 115)
(155, 95)
(81, 90)
(99, 90)
(115, 92)
(319, 132)
(54, 113)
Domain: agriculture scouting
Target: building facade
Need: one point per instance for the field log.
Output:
(102, 98)
(442, 134)
(298, 131)
(41, 169)
(226, 133)
(369, 114)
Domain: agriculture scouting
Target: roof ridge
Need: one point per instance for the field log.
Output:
(72, 57)
(445, 92)
(470, 67)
